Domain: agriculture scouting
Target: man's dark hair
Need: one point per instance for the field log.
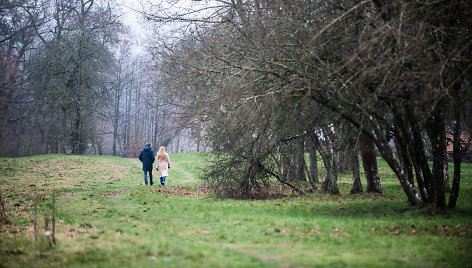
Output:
(148, 144)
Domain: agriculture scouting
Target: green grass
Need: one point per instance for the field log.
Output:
(108, 218)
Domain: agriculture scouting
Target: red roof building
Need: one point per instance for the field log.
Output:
(465, 146)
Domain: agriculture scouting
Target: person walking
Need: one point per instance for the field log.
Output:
(147, 157)
(163, 164)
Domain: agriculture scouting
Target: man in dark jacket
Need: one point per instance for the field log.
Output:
(147, 157)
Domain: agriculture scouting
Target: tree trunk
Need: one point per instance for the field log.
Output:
(293, 161)
(329, 185)
(342, 162)
(313, 162)
(55, 145)
(369, 161)
(299, 160)
(198, 143)
(63, 132)
(405, 158)
(156, 123)
(76, 131)
(435, 129)
(115, 136)
(457, 157)
(357, 184)
(400, 173)
(447, 187)
(425, 181)
(97, 146)
(115, 124)
(285, 164)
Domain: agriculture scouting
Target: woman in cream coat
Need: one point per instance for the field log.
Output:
(163, 164)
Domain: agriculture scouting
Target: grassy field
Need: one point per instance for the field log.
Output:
(108, 218)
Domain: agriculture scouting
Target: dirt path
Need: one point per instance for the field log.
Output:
(253, 253)
(188, 176)
(134, 161)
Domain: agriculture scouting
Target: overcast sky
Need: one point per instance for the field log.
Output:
(133, 19)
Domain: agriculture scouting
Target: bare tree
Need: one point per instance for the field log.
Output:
(386, 67)
(68, 72)
(18, 23)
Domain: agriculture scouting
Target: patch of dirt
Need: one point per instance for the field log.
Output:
(187, 174)
(459, 230)
(115, 193)
(71, 194)
(135, 161)
(184, 191)
(264, 192)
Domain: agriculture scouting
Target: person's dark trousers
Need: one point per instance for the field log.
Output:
(150, 177)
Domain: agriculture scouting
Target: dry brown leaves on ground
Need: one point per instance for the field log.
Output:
(200, 190)
(460, 230)
(115, 193)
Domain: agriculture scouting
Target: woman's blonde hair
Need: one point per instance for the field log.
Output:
(162, 154)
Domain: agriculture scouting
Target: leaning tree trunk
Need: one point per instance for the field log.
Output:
(369, 161)
(425, 183)
(329, 185)
(389, 156)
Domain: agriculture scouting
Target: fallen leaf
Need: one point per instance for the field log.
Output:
(445, 228)
(285, 230)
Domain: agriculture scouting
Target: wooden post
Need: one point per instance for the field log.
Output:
(53, 210)
(46, 223)
(35, 220)
(3, 213)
